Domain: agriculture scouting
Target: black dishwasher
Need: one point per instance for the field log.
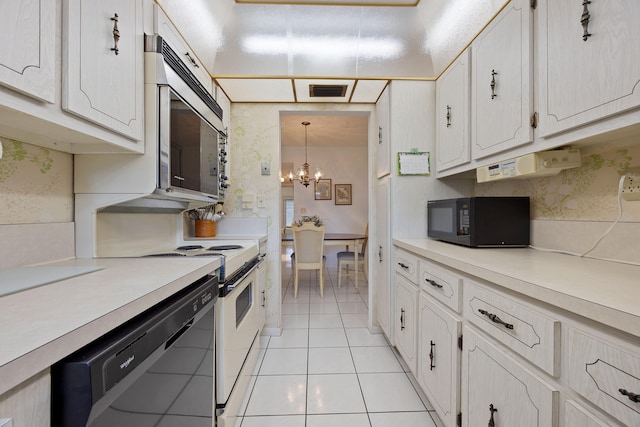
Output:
(155, 370)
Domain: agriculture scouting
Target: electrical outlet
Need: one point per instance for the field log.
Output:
(265, 168)
(631, 187)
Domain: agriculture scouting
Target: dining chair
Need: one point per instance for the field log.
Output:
(347, 259)
(308, 243)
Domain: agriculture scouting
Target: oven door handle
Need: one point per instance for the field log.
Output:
(231, 286)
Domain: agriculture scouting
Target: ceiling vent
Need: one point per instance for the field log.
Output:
(327, 91)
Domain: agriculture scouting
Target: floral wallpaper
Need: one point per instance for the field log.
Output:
(589, 192)
(36, 184)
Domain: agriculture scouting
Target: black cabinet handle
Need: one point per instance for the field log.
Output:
(431, 356)
(632, 396)
(264, 298)
(116, 34)
(380, 253)
(433, 283)
(495, 319)
(405, 266)
(193, 61)
(492, 423)
(584, 20)
(448, 116)
(493, 84)
(402, 319)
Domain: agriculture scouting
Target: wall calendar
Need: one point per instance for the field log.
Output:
(414, 163)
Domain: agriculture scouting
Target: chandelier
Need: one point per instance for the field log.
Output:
(303, 172)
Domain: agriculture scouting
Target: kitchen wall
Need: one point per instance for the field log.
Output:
(36, 204)
(573, 209)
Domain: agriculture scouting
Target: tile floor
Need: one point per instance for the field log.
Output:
(327, 369)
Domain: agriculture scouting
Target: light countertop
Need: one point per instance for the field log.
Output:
(42, 325)
(605, 291)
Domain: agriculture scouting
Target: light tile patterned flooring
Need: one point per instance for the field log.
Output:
(327, 369)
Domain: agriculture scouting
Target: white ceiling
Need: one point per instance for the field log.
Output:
(270, 50)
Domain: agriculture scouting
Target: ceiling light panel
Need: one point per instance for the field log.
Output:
(368, 91)
(257, 90)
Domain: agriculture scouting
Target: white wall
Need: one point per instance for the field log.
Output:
(343, 165)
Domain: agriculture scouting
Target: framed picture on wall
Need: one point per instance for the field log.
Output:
(343, 194)
(323, 189)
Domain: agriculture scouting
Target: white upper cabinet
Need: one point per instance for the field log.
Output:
(172, 36)
(588, 64)
(452, 115)
(501, 82)
(28, 49)
(384, 145)
(103, 76)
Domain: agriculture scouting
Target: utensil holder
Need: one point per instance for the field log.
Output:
(205, 228)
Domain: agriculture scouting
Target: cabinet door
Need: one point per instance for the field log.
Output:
(384, 146)
(452, 115)
(383, 264)
(103, 63)
(405, 320)
(439, 359)
(583, 80)
(165, 28)
(496, 388)
(576, 415)
(28, 48)
(502, 82)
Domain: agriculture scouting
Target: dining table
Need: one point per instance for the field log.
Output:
(335, 239)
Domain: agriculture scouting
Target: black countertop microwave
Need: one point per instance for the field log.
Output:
(480, 221)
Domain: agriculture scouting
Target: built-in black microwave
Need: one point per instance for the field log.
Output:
(480, 221)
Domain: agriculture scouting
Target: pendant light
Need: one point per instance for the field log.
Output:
(303, 172)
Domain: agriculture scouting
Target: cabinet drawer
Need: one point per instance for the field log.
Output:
(441, 283)
(601, 372)
(407, 265)
(528, 332)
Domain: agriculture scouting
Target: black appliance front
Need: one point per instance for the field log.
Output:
(480, 221)
(155, 370)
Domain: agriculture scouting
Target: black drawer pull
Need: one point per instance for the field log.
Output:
(433, 283)
(492, 423)
(431, 356)
(402, 319)
(405, 266)
(632, 396)
(495, 319)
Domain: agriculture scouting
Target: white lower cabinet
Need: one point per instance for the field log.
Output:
(406, 301)
(576, 415)
(439, 358)
(28, 404)
(606, 374)
(499, 391)
(484, 355)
